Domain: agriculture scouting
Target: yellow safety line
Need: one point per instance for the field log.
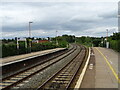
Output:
(116, 76)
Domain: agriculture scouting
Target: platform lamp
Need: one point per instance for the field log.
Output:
(56, 38)
(30, 35)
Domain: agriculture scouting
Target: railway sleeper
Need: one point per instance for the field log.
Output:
(9, 81)
(63, 76)
(57, 85)
(62, 79)
(19, 76)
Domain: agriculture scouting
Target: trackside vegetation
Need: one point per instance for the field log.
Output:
(9, 46)
(114, 41)
(11, 49)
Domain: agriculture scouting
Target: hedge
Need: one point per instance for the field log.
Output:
(11, 49)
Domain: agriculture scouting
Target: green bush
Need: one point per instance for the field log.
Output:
(63, 44)
(114, 44)
(11, 49)
(8, 50)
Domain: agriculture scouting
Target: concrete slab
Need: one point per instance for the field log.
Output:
(105, 71)
(89, 78)
(111, 56)
(104, 76)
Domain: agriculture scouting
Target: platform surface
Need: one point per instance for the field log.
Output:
(106, 68)
(23, 56)
(105, 71)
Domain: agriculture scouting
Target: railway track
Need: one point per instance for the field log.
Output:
(12, 69)
(16, 79)
(64, 77)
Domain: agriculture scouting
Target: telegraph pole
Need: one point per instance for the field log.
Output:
(107, 35)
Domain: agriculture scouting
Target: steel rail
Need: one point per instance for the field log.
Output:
(41, 62)
(77, 70)
(52, 78)
(14, 83)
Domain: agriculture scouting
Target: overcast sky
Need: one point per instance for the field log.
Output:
(73, 18)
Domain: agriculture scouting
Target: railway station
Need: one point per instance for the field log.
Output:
(99, 69)
(60, 45)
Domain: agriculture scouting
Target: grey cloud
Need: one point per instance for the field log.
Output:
(75, 17)
(86, 19)
(109, 15)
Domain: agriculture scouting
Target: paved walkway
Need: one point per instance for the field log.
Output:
(106, 70)
(18, 57)
(89, 78)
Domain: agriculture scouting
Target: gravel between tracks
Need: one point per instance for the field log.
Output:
(39, 78)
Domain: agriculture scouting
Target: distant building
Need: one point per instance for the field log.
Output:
(35, 41)
(40, 41)
(43, 41)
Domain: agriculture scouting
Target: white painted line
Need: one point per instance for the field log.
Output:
(91, 68)
(91, 64)
(78, 84)
(92, 54)
(111, 62)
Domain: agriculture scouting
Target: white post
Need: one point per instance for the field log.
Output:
(25, 43)
(17, 44)
(107, 43)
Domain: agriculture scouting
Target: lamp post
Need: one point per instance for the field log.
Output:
(30, 35)
(107, 35)
(118, 21)
(56, 38)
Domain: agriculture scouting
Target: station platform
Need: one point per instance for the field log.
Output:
(102, 70)
(11, 59)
